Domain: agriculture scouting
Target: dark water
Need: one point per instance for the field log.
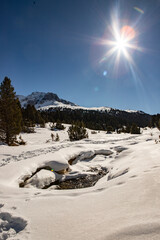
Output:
(83, 182)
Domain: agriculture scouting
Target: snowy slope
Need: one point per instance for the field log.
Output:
(123, 205)
(62, 106)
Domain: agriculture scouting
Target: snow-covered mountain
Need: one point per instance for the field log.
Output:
(41, 99)
(46, 101)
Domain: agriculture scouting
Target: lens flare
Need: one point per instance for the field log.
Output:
(139, 10)
(127, 33)
(105, 73)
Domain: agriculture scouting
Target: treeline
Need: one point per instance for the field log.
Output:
(91, 119)
(96, 120)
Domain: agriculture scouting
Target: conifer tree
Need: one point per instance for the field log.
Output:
(77, 132)
(10, 112)
(135, 129)
(59, 126)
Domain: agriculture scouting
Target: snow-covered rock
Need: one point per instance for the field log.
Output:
(41, 179)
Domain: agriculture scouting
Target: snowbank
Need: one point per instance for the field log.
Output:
(123, 205)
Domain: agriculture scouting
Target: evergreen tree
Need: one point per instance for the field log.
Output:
(77, 132)
(31, 117)
(59, 126)
(135, 129)
(10, 112)
(128, 129)
(110, 129)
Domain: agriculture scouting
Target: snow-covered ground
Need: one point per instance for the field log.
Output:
(124, 204)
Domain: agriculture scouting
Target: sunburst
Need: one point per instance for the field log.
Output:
(123, 40)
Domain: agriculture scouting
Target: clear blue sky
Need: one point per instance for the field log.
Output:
(54, 45)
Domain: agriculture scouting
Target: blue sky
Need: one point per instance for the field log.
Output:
(55, 46)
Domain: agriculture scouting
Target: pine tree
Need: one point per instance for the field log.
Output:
(128, 129)
(135, 129)
(59, 126)
(109, 129)
(10, 112)
(77, 132)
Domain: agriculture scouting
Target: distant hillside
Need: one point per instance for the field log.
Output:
(95, 119)
(52, 108)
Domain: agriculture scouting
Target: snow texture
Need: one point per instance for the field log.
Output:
(122, 205)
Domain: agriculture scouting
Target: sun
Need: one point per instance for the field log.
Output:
(121, 41)
(120, 47)
(123, 38)
(120, 44)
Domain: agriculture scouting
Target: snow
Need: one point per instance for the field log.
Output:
(133, 111)
(41, 179)
(124, 204)
(47, 106)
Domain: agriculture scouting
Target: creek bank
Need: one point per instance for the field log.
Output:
(90, 170)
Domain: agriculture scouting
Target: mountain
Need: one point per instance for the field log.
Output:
(41, 99)
(45, 101)
(53, 108)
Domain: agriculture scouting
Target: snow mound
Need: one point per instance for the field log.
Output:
(41, 179)
(118, 174)
(56, 161)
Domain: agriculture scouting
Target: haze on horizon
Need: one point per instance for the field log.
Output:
(90, 52)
